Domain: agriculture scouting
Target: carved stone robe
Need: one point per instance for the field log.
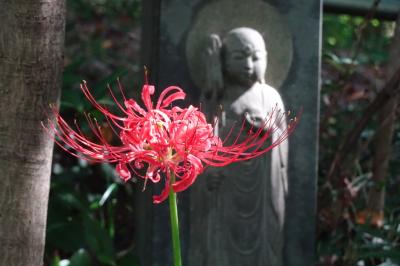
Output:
(241, 221)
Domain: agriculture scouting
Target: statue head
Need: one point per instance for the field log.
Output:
(244, 57)
(240, 59)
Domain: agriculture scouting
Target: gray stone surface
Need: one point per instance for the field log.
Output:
(167, 28)
(258, 15)
(237, 212)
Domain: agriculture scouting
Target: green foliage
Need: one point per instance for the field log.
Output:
(355, 52)
(342, 34)
(80, 258)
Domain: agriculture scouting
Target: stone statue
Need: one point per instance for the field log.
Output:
(242, 206)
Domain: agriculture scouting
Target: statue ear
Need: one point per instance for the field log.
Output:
(213, 73)
(261, 79)
(266, 63)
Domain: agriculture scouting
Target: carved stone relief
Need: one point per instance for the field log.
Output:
(237, 212)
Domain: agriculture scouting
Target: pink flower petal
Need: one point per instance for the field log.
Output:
(147, 91)
(123, 171)
(165, 139)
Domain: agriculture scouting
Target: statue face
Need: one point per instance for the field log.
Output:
(245, 58)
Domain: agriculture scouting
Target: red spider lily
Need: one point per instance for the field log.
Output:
(163, 139)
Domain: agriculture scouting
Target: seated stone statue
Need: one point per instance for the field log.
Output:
(241, 208)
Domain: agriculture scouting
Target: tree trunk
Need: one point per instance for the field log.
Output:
(383, 141)
(31, 58)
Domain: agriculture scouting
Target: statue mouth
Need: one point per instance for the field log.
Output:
(247, 74)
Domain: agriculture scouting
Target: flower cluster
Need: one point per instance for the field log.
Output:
(174, 142)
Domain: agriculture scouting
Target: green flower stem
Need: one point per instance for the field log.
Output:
(173, 212)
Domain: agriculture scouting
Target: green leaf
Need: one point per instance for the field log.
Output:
(66, 236)
(80, 258)
(99, 241)
(107, 193)
(56, 261)
(73, 99)
(129, 259)
(388, 262)
(393, 254)
(64, 263)
(72, 200)
(71, 79)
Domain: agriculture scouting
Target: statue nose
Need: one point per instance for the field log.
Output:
(249, 64)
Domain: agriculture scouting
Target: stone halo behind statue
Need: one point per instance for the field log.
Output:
(220, 17)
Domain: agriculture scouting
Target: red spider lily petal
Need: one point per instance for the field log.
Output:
(153, 173)
(147, 91)
(132, 105)
(123, 171)
(173, 140)
(193, 168)
(177, 95)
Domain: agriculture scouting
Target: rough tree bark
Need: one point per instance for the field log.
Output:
(31, 58)
(383, 139)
